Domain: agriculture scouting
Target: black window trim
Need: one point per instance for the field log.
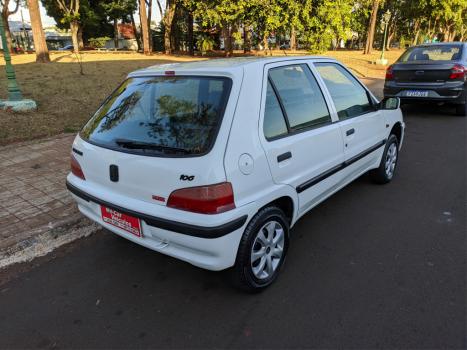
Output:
(162, 155)
(369, 96)
(293, 131)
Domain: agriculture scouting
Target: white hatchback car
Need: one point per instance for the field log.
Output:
(213, 162)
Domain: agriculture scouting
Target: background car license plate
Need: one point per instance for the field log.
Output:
(123, 221)
(416, 93)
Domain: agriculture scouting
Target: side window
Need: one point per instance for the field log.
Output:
(274, 123)
(349, 97)
(300, 95)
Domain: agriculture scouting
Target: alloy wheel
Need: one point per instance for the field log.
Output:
(391, 160)
(267, 250)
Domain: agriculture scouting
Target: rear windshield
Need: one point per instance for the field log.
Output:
(432, 53)
(171, 116)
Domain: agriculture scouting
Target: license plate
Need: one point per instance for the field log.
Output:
(416, 93)
(125, 222)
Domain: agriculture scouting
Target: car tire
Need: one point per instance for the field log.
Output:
(461, 110)
(262, 250)
(386, 170)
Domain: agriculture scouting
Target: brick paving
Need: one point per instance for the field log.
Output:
(32, 187)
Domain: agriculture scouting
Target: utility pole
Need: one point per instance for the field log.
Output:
(15, 100)
(385, 22)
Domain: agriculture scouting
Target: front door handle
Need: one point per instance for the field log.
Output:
(284, 156)
(350, 132)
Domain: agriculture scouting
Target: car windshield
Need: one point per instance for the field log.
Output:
(161, 115)
(432, 53)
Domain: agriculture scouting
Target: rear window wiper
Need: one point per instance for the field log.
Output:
(132, 144)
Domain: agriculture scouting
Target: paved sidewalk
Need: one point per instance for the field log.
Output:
(33, 197)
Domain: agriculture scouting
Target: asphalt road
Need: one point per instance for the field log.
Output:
(373, 266)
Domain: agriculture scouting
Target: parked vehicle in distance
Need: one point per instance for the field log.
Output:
(66, 48)
(213, 162)
(430, 72)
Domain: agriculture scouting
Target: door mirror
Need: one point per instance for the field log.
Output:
(390, 103)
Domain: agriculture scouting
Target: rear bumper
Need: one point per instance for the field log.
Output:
(210, 247)
(449, 92)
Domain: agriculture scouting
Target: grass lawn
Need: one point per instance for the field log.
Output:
(67, 99)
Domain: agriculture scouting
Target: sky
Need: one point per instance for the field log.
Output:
(49, 21)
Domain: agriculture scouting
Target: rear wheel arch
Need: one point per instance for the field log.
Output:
(284, 203)
(397, 131)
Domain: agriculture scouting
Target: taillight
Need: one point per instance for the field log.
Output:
(212, 199)
(389, 73)
(458, 72)
(76, 168)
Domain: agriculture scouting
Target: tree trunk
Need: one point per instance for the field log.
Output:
(415, 40)
(265, 41)
(137, 37)
(74, 27)
(452, 36)
(293, 39)
(168, 19)
(371, 29)
(175, 39)
(115, 33)
(42, 52)
(149, 24)
(389, 39)
(416, 31)
(80, 37)
(227, 41)
(144, 27)
(246, 39)
(190, 41)
(5, 15)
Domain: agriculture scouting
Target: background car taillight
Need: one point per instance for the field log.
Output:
(212, 199)
(76, 168)
(389, 73)
(458, 72)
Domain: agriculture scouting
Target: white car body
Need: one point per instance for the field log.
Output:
(324, 160)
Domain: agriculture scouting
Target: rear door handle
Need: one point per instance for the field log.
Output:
(350, 132)
(284, 156)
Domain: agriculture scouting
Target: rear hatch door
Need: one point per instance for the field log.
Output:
(159, 134)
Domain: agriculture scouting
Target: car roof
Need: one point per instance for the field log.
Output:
(221, 64)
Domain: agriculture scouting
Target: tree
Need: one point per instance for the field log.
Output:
(190, 37)
(137, 37)
(40, 46)
(167, 19)
(6, 12)
(149, 7)
(70, 15)
(118, 9)
(371, 28)
(144, 27)
(330, 22)
(452, 15)
(93, 21)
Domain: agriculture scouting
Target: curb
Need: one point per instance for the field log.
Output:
(47, 238)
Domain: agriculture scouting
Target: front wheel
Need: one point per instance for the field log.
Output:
(386, 170)
(262, 250)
